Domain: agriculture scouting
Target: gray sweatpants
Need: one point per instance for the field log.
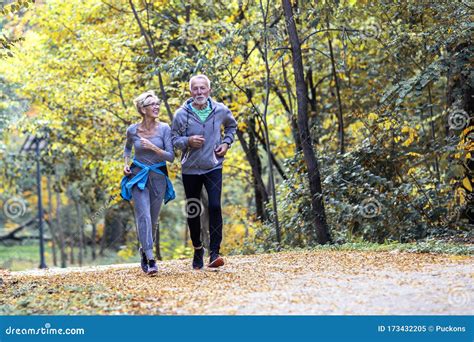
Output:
(147, 205)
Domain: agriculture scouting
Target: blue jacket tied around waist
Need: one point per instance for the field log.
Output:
(141, 178)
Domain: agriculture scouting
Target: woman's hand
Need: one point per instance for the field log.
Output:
(126, 170)
(150, 146)
(147, 144)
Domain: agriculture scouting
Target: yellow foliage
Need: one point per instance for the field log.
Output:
(238, 60)
(100, 230)
(373, 116)
(414, 154)
(356, 127)
(233, 237)
(238, 228)
(460, 196)
(159, 3)
(387, 124)
(467, 184)
(412, 135)
(126, 253)
(329, 121)
(242, 125)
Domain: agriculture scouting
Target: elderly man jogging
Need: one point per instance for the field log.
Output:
(196, 130)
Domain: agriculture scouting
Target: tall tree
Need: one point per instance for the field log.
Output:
(265, 12)
(321, 226)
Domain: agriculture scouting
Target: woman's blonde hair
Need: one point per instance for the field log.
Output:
(144, 99)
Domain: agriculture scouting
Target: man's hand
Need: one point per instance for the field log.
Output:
(196, 141)
(126, 170)
(221, 150)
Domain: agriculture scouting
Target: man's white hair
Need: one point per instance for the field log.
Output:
(204, 77)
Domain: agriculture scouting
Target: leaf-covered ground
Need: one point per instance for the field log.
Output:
(316, 282)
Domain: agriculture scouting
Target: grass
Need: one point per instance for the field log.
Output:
(432, 246)
(27, 256)
(427, 246)
(23, 257)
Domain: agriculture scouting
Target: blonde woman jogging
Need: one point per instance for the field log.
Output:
(146, 179)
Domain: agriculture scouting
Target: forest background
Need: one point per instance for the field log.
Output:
(354, 122)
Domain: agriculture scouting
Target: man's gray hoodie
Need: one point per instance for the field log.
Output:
(196, 161)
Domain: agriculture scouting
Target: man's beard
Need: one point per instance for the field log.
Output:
(200, 100)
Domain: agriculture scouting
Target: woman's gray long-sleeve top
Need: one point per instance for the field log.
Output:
(161, 139)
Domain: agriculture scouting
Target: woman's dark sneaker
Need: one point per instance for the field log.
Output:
(143, 261)
(215, 260)
(152, 268)
(198, 259)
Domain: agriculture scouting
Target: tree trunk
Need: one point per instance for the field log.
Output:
(260, 194)
(186, 235)
(289, 108)
(265, 12)
(80, 223)
(61, 235)
(54, 238)
(93, 240)
(71, 250)
(103, 241)
(340, 119)
(156, 235)
(267, 149)
(312, 99)
(321, 227)
(251, 152)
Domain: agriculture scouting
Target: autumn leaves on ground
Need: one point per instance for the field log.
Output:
(302, 282)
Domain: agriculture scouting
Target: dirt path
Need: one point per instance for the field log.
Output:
(316, 283)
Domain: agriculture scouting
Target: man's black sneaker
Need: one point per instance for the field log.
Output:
(143, 261)
(215, 260)
(198, 259)
(152, 268)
